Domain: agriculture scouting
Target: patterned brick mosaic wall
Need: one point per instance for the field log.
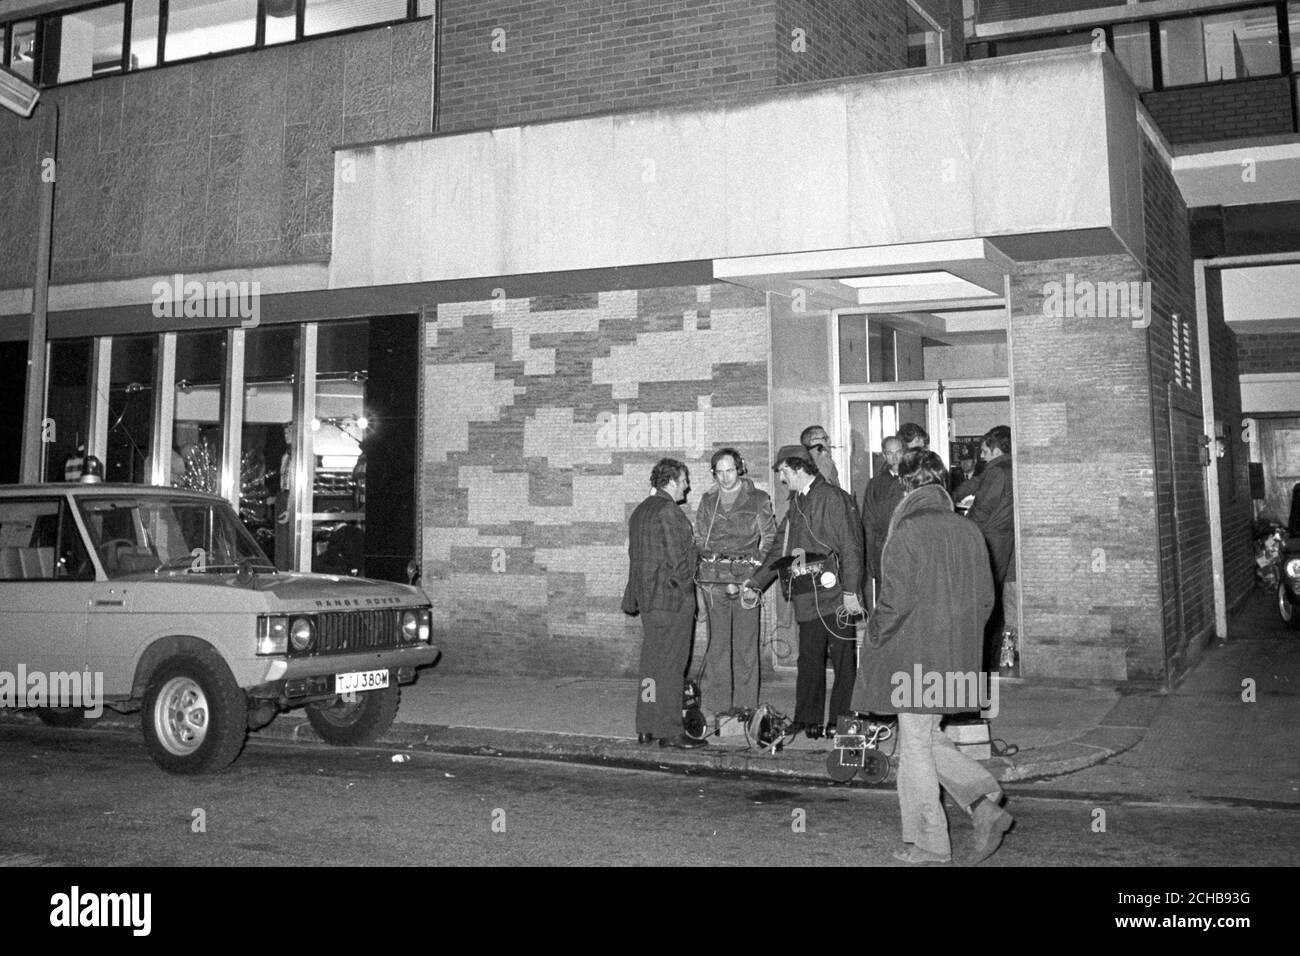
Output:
(1268, 352)
(819, 39)
(1083, 453)
(218, 163)
(542, 420)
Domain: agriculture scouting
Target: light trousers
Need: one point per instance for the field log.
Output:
(928, 760)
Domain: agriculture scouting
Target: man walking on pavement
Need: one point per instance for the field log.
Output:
(661, 588)
(734, 528)
(936, 594)
(994, 513)
(884, 492)
(821, 526)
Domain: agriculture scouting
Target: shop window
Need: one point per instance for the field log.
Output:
(201, 27)
(270, 360)
(1133, 50)
(144, 34)
(1222, 46)
(326, 16)
(130, 409)
(80, 45)
(67, 409)
(339, 433)
(199, 411)
(21, 49)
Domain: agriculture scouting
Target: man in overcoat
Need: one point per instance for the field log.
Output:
(936, 595)
(661, 588)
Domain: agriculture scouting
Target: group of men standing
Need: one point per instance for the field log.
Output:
(932, 576)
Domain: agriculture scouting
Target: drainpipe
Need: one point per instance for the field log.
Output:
(34, 407)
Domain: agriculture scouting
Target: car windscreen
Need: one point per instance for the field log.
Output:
(153, 535)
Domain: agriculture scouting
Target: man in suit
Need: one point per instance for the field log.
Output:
(884, 492)
(661, 588)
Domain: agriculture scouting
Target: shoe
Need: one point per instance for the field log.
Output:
(910, 853)
(645, 738)
(991, 823)
(682, 742)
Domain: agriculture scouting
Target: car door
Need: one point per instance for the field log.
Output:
(46, 581)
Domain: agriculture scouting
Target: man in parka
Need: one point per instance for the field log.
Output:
(936, 595)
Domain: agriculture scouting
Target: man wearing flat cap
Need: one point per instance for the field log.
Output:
(818, 555)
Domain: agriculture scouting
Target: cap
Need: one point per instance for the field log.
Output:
(790, 451)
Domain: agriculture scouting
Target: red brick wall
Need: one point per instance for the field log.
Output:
(571, 59)
(839, 39)
(1202, 114)
(1185, 561)
(1268, 352)
(526, 498)
(1235, 511)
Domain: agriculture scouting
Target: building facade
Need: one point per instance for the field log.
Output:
(441, 282)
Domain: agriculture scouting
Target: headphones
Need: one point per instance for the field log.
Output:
(741, 468)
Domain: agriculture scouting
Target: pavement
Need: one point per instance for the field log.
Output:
(1204, 739)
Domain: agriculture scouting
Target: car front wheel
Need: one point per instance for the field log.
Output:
(194, 717)
(361, 720)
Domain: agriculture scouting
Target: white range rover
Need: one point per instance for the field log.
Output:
(165, 596)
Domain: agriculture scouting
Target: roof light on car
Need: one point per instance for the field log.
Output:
(301, 634)
(272, 635)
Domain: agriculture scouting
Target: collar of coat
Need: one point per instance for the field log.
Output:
(925, 498)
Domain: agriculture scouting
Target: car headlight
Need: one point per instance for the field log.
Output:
(301, 634)
(1292, 569)
(272, 635)
(426, 625)
(410, 625)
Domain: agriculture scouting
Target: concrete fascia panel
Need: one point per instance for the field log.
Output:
(958, 152)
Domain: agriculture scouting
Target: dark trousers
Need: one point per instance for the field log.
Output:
(665, 651)
(817, 638)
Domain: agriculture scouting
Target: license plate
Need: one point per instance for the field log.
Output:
(354, 681)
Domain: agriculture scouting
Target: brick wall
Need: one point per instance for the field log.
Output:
(820, 39)
(218, 163)
(534, 459)
(1202, 114)
(1235, 512)
(1268, 352)
(593, 57)
(1089, 561)
(1178, 420)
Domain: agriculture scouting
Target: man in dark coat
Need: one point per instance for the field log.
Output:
(819, 520)
(925, 636)
(661, 588)
(994, 513)
(884, 492)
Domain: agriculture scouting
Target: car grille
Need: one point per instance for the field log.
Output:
(342, 632)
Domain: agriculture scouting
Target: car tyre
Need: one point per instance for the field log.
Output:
(61, 716)
(363, 720)
(194, 716)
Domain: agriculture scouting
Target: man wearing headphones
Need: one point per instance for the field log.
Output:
(734, 528)
(819, 547)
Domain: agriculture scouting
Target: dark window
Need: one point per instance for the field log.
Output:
(20, 54)
(1221, 46)
(67, 409)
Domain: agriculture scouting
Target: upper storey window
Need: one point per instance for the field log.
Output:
(1222, 46)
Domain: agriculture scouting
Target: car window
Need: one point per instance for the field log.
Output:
(156, 534)
(39, 541)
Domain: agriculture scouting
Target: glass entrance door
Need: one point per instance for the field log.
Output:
(868, 415)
